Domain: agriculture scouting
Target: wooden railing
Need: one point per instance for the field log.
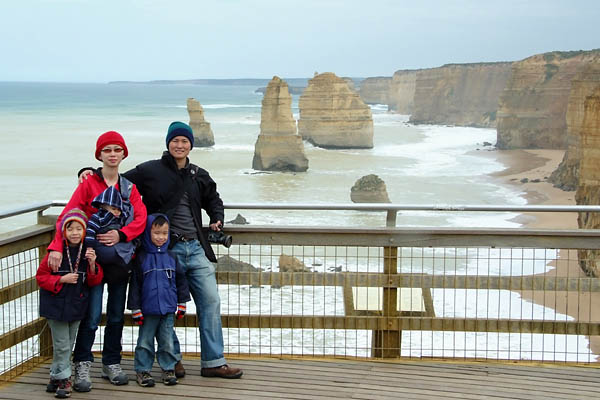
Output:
(372, 286)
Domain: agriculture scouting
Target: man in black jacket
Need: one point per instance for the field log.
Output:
(179, 189)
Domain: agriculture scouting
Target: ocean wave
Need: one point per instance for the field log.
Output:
(224, 105)
(379, 107)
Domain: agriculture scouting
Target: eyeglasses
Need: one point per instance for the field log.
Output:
(107, 150)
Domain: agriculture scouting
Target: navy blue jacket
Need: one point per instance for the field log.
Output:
(158, 283)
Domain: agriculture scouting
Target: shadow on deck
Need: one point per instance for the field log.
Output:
(270, 378)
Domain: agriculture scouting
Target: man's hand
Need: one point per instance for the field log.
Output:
(69, 278)
(109, 238)
(216, 226)
(84, 175)
(138, 317)
(54, 260)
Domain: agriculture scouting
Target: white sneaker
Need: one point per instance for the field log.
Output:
(82, 382)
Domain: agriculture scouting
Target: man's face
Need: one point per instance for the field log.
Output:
(180, 147)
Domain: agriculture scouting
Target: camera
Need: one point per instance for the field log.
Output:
(220, 238)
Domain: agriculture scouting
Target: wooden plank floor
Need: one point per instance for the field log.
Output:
(270, 378)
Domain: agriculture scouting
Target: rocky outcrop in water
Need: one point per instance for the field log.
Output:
(566, 176)
(369, 189)
(203, 134)
(533, 106)
(375, 90)
(334, 116)
(291, 264)
(401, 98)
(459, 94)
(278, 147)
(588, 190)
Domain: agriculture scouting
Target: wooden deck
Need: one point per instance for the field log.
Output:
(270, 378)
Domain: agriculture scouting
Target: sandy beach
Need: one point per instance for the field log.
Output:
(536, 166)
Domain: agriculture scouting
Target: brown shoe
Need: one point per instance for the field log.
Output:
(179, 370)
(224, 371)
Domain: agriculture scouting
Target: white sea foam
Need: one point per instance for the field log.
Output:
(379, 107)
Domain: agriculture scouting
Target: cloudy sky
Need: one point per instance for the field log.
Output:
(99, 41)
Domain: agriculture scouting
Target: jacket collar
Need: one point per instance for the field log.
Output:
(169, 160)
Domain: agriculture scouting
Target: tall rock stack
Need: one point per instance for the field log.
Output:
(278, 147)
(588, 190)
(566, 175)
(203, 135)
(333, 116)
(375, 90)
(533, 106)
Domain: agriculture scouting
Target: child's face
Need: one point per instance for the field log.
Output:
(113, 210)
(159, 234)
(74, 232)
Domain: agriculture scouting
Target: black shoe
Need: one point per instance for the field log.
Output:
(52, 385)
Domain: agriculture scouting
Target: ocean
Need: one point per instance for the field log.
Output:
(48, 132)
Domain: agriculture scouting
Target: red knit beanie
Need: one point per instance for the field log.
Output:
(110, 137)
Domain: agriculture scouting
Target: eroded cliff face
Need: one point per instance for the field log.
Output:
(588, 190)
(334, 116)
(585, 82)
(375, 90)
(401, 98)
(533, 106)
(203, 134)
(278, 147)
(459, 94)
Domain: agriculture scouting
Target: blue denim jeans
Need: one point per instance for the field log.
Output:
(115, 306)
(161, 328)
(63, 337)
(201, 278)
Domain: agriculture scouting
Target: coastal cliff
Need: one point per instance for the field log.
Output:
(278, 147)
(203, 134)
(588, 190)
(459, 94)
(533, 106)
(566, 176)
(334, 116)
(375, 90)
(401, 97)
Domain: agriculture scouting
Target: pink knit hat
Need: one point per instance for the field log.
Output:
(74, 214)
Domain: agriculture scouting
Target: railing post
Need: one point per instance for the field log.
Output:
(385, 343)
(46, 349)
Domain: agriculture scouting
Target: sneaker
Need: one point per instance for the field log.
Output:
(144, 379)
(114, 374)
(169, 378)
(179, 370)
(52, 385)
(64, 389)
(83, 382)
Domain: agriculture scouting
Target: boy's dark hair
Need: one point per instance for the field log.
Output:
(160, 221)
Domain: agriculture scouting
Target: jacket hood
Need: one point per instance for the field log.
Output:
(111, 196)
(147, 239)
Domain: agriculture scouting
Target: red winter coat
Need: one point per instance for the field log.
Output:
(82, 199)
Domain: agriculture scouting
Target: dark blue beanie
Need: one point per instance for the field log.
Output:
(179, 129)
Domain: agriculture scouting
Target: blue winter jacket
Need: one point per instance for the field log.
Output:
(158, 283)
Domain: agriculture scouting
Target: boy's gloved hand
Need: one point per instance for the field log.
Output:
(138, 317)
(180, 311)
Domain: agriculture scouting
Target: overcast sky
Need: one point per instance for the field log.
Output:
(99, 41)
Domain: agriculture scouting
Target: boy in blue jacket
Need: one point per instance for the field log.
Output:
(158, 290)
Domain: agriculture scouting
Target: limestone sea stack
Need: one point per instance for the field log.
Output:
(588, 190)
(278, 147)
(369, 189)
(459, 94)
(203, 135)
(333, 116)
(533, 106)
(566, 176)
